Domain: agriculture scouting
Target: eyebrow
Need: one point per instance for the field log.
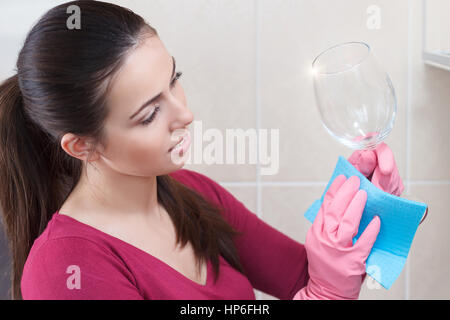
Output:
(157, 96)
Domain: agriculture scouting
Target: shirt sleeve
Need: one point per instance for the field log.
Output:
(75, 268)
(274, 263)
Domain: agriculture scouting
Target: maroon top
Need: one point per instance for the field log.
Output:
(72, 260)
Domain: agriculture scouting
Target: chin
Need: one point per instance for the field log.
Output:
(179, 165)
(172, 168)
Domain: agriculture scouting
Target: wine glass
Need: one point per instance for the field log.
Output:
(355, 97)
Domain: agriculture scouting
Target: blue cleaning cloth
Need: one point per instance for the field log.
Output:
(399, 221)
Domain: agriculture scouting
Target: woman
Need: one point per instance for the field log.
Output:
(95, 205)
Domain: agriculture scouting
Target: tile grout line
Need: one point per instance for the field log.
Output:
(257, 115)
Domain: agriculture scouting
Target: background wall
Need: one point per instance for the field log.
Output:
(246, 64)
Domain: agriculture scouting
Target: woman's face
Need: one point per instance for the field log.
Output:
(139, 139)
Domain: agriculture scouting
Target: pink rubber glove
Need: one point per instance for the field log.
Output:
(379, 167)
(336, 267)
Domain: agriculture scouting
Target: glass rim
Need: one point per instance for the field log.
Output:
(340, 45)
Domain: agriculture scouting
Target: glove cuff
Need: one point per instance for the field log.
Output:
(314, 291)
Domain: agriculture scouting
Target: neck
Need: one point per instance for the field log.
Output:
(119, 195)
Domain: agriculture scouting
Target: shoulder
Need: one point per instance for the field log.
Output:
(55, 261)
(55, 255)
(66, 239)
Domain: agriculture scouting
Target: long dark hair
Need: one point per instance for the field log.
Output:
(62, 79)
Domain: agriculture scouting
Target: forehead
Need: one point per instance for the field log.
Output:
(143, 75)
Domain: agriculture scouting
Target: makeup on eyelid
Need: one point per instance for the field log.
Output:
(157, 108)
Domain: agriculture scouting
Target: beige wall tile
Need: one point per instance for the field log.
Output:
(430, 115)
(371, 290)
(283, 208)
(430, 256)
(246, 194)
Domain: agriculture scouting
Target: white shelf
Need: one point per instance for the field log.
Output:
(437, 59)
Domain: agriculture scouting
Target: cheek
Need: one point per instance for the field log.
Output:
(144, 146)
(135, 152)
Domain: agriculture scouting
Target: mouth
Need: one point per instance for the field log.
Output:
(180, 141)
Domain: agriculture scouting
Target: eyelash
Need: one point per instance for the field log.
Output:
(157, 108)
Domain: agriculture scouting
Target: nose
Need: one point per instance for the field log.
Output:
(182, 116)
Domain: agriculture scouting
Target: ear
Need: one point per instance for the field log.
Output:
(78, 147)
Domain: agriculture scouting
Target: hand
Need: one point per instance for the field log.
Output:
(337, 267)
(379, 167)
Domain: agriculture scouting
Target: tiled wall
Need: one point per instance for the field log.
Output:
(246, 64)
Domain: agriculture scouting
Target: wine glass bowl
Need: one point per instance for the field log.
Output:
(355, 97)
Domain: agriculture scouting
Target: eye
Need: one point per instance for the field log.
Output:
(150, 119)
(177, 76)
(157, 108)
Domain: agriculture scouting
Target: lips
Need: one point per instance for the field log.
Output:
(178, 142)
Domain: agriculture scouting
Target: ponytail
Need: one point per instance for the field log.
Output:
(29, 189)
